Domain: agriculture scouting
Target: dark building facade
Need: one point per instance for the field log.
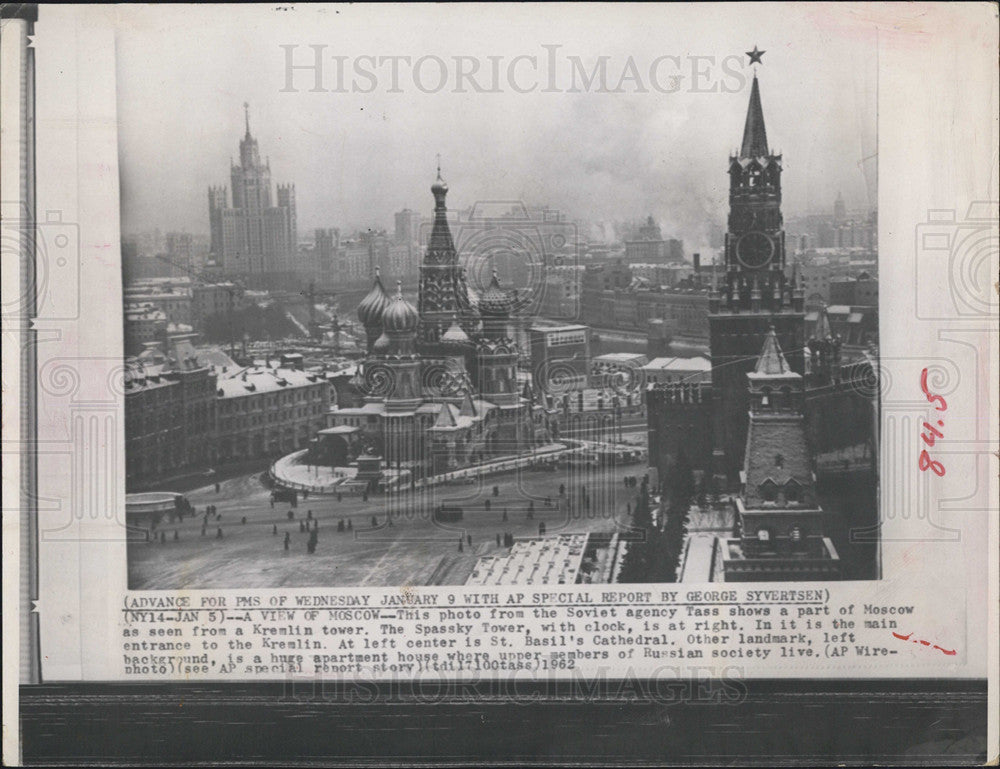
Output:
(612, 298)
(170, 413)
(560, 358)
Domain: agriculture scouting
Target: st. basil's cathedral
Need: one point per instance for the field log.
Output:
(439, 381)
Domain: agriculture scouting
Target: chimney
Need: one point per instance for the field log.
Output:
(697, 264)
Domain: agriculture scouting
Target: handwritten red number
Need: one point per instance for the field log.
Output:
(926, 463)
(931, 398)
(932, 464)
(935, 433)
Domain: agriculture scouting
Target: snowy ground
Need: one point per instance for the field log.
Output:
(415, 550)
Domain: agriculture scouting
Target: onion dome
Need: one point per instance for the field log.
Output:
(455, 335)
(373, 305)
(494, 301)
(400, 317)
(381, 344)
(440, 187)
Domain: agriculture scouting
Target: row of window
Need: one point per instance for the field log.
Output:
(227, 424)
(248, 404)
(765, 535)
(791, 490)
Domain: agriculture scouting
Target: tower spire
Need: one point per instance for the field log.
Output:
(754, 135)
(441, 245)
(772, 360)
(246, 116)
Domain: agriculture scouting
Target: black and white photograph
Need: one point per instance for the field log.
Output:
(527, 319)
(568, 384)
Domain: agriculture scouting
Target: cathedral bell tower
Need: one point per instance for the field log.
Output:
(443, 298)
(755, 292)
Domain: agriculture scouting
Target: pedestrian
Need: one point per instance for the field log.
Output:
(302, 526)
(349, 524)
(504, 514)
(340, 496)
(541, 528)
(496, 491)
(468, 538)
(203, 531)
(460, 548)
(309, 514)
(364, 496)
(272, 502)
(218, 534)
(217, 487)
(244, 520)
(291, 515)
(628, 507)
(274, 531)
(340, 525)
(288, 540)
(487, 504)
(163, 537)
(177, 535)
(498, 540)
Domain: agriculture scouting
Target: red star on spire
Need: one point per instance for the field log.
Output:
(755, 55)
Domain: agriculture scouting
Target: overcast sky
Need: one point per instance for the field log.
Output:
(654, 140)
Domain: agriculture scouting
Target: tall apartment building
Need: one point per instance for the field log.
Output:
(254, 235)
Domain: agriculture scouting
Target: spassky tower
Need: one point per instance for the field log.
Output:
(755, 292)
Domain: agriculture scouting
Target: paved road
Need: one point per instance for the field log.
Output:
(415, 549)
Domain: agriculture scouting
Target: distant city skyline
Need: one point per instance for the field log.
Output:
(618, 155)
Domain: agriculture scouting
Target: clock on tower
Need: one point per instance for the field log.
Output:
(754, 250)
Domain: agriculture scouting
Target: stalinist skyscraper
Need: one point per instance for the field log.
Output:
(253, 236)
